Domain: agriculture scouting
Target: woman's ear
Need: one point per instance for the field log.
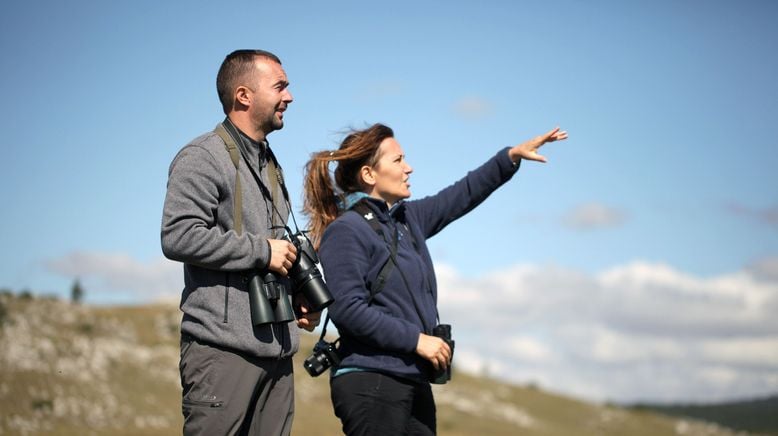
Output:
(366, 176)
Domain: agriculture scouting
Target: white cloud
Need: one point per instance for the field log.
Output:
(767, 215)
(530, 349)
(755, 351)
(765, 269)
(592, 216)
(639, 331)
(379, 91)
(107, 273)
(610, 346)
(473, 108)
(634, 332)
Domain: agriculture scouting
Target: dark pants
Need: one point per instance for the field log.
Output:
(226, 393)
(370, 403)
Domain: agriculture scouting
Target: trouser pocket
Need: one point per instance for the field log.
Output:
(199, 368)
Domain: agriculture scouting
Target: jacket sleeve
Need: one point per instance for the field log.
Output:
(345, 255)
(190, 231)
(437, 211)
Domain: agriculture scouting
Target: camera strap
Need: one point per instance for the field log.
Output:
(237, 204)
(386, 269)
(369, 215)
(376, 287)
(231, 137)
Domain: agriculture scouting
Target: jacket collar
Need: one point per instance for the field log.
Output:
(384, 212)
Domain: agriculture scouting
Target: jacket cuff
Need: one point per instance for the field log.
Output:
(413, 340)
(263, 260)
(505, 162)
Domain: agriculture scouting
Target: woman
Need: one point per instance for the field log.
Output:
(388, 353)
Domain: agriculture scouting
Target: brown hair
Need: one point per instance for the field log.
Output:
(234, 69)
(358, 149)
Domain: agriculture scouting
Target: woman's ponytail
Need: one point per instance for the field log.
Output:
(320, 202)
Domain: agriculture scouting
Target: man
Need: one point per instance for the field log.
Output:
(225, 227)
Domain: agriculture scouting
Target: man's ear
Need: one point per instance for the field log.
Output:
(242, 96)
(366, 176)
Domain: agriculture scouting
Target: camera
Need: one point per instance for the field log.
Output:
(325, 355)
(305, 274)
(442, 376)
(269, 299)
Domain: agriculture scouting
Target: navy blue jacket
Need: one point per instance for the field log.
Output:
(382, 335)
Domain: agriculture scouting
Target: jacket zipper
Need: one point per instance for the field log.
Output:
(226, 296)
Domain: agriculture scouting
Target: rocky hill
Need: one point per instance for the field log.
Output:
(68, 369)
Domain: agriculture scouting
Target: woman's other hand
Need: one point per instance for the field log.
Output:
(434, 349)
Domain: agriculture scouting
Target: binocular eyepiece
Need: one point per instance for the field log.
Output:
(269, 299)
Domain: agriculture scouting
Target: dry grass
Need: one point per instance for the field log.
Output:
(79, 370)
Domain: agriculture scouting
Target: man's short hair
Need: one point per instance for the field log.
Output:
(235, 69)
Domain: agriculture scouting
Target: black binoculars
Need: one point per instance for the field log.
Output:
(442, 376)
(269, 299)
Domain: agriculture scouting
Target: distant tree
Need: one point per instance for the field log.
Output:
(3, 314)
(76, 292)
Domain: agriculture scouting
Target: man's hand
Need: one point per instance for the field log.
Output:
(306, 320)
(282, 256)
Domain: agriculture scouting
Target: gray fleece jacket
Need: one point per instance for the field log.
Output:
(197, 229)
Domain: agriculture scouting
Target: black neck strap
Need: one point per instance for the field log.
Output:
(275, 176)
(369, 215)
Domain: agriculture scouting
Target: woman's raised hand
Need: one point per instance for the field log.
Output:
(529, 150)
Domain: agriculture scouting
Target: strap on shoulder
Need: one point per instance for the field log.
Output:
(232, 149)
(365, 212)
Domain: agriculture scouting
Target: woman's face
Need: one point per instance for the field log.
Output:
(388, 179)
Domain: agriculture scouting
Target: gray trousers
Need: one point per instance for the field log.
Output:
(226, 393)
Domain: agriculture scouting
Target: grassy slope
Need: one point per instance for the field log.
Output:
(73, 370)
(756, 415)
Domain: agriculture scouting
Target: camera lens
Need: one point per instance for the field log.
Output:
(324, 356)
(306, 277)
(316, 364)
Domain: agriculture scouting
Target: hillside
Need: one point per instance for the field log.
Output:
(80, 370)
(757, 415)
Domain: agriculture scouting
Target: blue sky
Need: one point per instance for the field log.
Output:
(668, 176)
